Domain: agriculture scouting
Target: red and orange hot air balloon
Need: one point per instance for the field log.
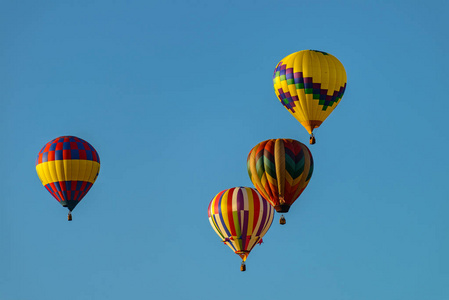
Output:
(68, 167)
(280, 169)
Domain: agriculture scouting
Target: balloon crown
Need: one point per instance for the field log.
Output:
(320, 51)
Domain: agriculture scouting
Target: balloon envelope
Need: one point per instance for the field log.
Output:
(280, 169)
(240, 217)
(310, 84)
(68, 166)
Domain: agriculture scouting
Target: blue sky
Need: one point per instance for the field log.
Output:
(173, 95)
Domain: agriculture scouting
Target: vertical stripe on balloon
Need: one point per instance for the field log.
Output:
(243, 218)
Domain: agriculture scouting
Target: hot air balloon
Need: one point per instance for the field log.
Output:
(310, 84)
(68, 166)
(280, 169)
(240, 217)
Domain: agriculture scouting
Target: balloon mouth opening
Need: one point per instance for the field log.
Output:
(69, 204)
(310, 125)
(282, 208)
(243, 254)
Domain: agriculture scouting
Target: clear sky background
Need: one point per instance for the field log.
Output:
(173, 95)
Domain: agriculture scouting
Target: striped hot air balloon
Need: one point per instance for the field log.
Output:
(280, 169)
(241, 217)
(68, 166)
(310, 84)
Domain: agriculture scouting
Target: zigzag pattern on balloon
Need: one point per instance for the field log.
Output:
(305, 83)
(310, 85)
(280, 168)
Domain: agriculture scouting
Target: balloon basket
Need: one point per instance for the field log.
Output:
(282, 220)
(243, 267)
(312, 140)
(69, 217)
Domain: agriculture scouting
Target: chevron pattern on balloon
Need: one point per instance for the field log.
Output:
(280, 169)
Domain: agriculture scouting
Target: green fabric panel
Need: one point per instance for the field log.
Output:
(270, 168)
(310, 172)
(290, 166)
(300, 167)
(236, 219)
(260, 168)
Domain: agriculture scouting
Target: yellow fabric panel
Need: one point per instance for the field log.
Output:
(51, 171)
(82, 171)
(331, 81)
(341, 73)
(315, 73)
(224, 210)
(94, 173)
(307, 72)
(88, 171)
(75, 168)
(59, 168)
(325, 71)
(340, 77)
(67, 170)
(279, 160)
(321, 75)
(250, 208)
(305, 68)
(41, 174)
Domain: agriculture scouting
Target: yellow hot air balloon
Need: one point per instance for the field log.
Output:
(310, 84)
